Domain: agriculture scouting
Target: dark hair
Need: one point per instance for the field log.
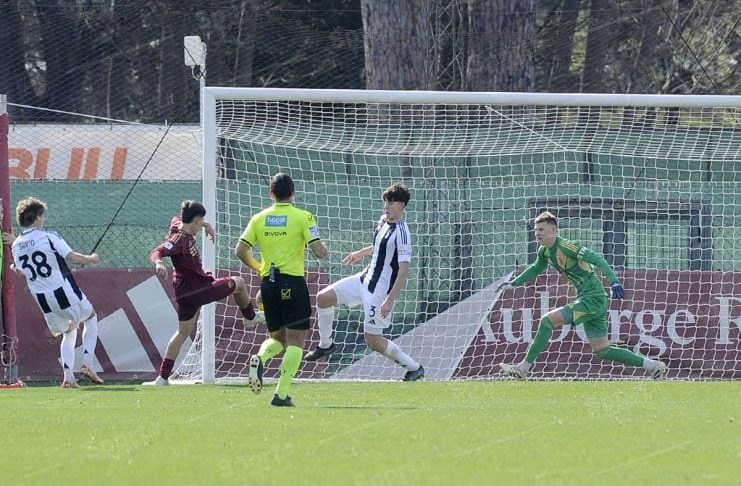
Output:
(546, 217)
(28, 211)
(190, 209)
(397, 192)
(281, 185)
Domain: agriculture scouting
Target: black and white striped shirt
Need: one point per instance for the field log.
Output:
(40, 255)
(392, 243)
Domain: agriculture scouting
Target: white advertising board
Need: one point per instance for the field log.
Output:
(104, 152)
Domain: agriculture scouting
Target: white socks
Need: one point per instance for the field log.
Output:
(324, 317)
(67, 347)
(89, 340)
(394, 352)
(67, 351)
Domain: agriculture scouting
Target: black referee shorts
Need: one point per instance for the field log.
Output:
(286, 303)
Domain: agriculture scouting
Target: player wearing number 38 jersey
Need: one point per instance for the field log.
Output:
(42, 257)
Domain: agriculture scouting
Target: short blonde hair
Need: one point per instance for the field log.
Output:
(546, 217)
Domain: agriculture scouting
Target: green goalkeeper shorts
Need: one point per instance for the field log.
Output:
(589, 311)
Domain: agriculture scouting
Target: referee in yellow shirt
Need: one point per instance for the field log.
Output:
(282, 232)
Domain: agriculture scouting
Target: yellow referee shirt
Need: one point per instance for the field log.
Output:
(282, 233)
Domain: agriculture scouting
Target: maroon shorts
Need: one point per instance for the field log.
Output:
(188, 301)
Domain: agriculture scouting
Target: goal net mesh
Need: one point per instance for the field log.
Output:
(655, 189)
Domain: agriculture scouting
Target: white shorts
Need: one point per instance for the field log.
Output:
(351, 292)
(59, 321)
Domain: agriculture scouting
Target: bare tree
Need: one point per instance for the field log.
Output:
(643, 69)
(398, 44)
(66, 40)
(598, 38)
(450, 30)
(501, 45)
(557, 45)
(244, 50)
(124, 59)
(15, 80)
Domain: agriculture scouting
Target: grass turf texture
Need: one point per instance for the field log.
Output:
(631, 432)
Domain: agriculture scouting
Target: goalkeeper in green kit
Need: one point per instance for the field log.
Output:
(576, 263)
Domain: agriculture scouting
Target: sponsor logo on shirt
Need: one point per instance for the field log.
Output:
(276, 221)
(314, 232)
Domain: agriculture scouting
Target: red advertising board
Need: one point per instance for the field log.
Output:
(690, 320)
(136, 318)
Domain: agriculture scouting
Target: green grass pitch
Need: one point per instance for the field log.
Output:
(423, 433)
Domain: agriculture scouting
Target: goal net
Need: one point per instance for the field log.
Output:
(651, 182)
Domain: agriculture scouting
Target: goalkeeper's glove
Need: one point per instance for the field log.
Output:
(618, 292)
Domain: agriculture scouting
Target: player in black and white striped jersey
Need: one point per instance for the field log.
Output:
(376, 287)
(42, 257)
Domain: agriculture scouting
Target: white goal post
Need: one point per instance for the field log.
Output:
(650, 181)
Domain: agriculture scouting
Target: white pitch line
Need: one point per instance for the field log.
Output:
(643, 458)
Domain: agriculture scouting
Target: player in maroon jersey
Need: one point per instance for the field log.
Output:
(194, 287)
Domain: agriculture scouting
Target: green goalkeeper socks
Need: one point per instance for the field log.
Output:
(269, 349)
(288, 369)
(542, 337)
(620, 355)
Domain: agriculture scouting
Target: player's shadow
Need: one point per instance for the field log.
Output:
(369, 407)
(111, 388)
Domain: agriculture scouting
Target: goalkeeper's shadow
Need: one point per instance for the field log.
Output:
(109, 388)
(367, 407)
